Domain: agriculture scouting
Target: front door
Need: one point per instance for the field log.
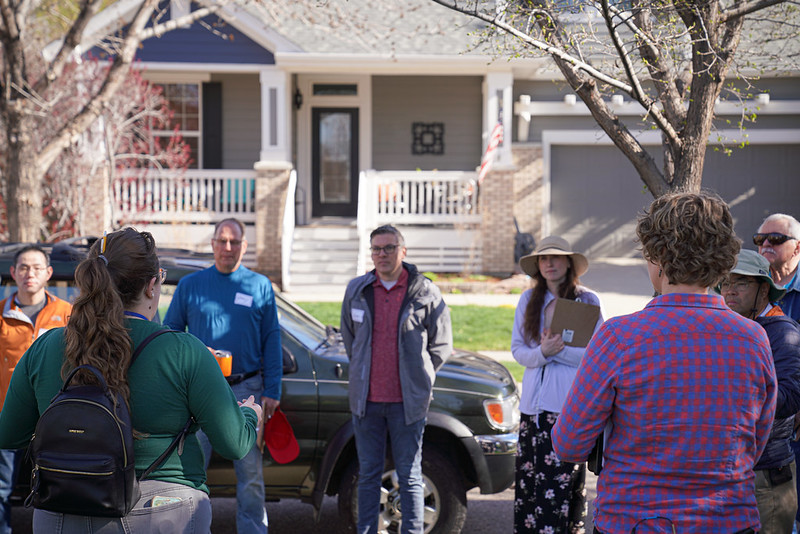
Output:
(334, 167)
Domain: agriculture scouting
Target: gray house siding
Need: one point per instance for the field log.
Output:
(241, 120)
(398, 102)
(598, 180)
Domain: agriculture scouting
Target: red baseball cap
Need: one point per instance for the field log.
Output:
(279, 438)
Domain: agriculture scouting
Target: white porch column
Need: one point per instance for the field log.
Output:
(498, 106)
(276, 128)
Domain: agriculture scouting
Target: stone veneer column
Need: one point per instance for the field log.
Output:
(497, 225)
(272, 181)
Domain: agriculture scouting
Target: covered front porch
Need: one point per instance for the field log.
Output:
(451, 223)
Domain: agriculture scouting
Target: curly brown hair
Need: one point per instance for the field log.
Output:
(568, 289)
(96, 333)
(690, 236)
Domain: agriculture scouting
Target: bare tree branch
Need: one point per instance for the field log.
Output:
(541, 45)
(114, 78)
(73, 38)
(160, 29)
(745, 8)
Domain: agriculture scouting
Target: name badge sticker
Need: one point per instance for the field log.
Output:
(567, 335)
(357, 315)
(243, 300)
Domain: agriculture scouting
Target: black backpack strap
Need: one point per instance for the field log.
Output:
(177, 442)
(179, 439)
(147, 340)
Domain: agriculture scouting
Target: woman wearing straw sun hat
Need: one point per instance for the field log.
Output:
(549, 493)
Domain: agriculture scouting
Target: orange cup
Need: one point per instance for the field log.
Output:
(225, 361)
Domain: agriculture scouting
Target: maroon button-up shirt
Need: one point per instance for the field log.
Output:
(384, 375)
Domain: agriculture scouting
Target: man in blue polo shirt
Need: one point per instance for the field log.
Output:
(230, 307)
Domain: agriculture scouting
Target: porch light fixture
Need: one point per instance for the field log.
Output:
(298, 98)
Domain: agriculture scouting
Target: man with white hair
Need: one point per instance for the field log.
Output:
(777, 240)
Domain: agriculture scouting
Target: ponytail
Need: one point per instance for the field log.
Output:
(95, 333)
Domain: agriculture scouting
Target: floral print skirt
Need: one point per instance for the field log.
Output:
(549, 497)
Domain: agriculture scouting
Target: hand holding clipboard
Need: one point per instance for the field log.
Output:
(575, 321)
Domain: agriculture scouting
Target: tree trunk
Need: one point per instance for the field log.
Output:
(24, 203)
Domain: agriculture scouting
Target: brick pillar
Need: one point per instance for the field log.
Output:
(497, 225)
(529, 201)
(272, 183)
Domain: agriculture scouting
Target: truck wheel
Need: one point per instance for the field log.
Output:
(445, 497)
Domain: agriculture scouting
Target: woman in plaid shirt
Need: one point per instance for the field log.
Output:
(688, 384)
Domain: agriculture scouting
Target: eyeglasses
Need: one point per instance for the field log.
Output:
(162, 275)
(773, 237)
(739, 285)
(388, 249)
(232, 242)
(25, 269)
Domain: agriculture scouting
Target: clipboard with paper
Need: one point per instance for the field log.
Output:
(575, 321)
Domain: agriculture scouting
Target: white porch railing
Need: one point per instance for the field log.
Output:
(287, 236)
(166, 196)
(415, 198)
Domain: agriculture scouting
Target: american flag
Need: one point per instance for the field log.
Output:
(488, 158)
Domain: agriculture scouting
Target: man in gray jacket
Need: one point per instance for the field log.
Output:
(397, 333)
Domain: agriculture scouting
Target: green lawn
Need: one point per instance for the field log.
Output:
(475, 328)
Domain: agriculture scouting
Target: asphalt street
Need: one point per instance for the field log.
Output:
(486, 514)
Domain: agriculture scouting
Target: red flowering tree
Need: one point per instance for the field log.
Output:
(36, 125)
(119, 140)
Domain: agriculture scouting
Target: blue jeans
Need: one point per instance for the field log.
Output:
(9, 468)
(190, 515)
(370, 431)
(251, 515)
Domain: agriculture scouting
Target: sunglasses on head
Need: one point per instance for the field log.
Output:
(773, 237)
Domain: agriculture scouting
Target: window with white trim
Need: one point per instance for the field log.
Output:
(184, 100)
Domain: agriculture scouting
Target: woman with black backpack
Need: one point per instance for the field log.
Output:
(174, 379)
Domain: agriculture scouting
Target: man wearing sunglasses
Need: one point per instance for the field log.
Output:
(396, 329)
(777, 240)
(748, 290)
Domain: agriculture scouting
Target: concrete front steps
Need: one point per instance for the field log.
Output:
(324, 258)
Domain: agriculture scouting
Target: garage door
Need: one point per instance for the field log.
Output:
(596, 195)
